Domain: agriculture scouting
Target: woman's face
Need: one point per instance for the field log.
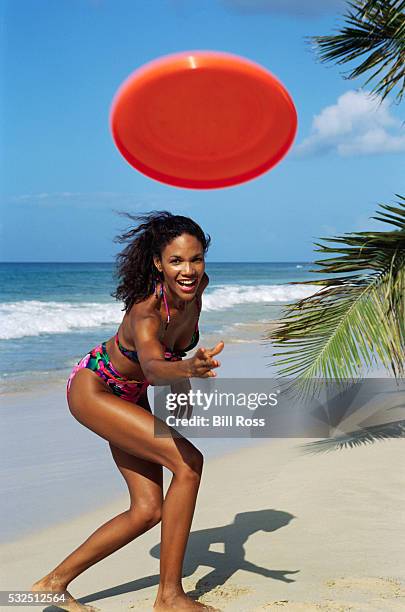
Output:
(183, 266)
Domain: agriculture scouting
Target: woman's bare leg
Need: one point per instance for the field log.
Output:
(177, 515)
(144, 480)
(130, 428)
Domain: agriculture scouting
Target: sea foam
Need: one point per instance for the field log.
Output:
(34, 317)
(228, 296)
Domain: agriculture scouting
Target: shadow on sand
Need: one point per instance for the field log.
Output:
(232, 537)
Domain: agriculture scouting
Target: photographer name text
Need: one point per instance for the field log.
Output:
(215, 420)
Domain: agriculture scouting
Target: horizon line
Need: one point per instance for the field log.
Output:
(112, 261)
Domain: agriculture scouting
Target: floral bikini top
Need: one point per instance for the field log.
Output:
(170, 354)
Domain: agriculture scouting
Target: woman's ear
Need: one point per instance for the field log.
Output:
(158, 264)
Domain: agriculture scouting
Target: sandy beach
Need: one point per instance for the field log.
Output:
(276, 527)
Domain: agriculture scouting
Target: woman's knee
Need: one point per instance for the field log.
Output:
(191, 466)
(147, 514)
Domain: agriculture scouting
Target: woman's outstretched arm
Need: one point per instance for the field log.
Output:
(152, 358)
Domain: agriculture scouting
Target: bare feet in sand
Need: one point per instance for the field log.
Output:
(182, 603)
(71, 604)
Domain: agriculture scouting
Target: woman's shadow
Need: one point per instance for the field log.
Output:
(224, 564)
(233, 538)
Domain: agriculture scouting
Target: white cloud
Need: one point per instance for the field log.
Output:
(289, 7)
(358, 124)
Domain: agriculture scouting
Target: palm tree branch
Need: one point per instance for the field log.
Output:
(352, 318)
(376, 28)
(344, 318)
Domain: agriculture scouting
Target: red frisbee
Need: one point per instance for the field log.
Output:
(202, 120)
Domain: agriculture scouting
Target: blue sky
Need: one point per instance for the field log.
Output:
(62, 177)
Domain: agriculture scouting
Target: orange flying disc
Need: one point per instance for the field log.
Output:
(203, 120)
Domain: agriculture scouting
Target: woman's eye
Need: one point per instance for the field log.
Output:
(177, 261)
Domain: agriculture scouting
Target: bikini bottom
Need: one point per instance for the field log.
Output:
(98, 361)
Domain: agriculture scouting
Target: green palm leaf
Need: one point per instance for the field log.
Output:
(357, 317)
(375, 29)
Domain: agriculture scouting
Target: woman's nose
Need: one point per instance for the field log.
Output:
(187, 269)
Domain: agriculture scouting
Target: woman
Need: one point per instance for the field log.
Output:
(162, 277)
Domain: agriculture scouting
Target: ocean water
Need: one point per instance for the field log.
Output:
(51, 314)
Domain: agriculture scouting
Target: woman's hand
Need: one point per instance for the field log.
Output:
(202, 364)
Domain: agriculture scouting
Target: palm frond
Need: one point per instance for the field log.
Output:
(357, 317)
(375, 28)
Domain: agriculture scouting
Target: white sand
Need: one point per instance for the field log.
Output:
(274, 529)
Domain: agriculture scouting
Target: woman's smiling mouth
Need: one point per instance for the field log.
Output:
(187, 285)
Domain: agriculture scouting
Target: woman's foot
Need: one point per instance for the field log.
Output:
(53, 585)
(182, 603)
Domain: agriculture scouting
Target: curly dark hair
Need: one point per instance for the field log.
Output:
(136, 272)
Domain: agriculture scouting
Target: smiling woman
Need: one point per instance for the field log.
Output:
(162, 276)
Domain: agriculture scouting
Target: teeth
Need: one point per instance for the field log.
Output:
(186, 282)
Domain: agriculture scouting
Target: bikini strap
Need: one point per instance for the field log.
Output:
(163, 294)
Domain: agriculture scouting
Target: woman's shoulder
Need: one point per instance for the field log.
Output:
(141, 321)
(147, 308)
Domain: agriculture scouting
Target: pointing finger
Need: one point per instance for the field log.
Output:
(217, 349)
